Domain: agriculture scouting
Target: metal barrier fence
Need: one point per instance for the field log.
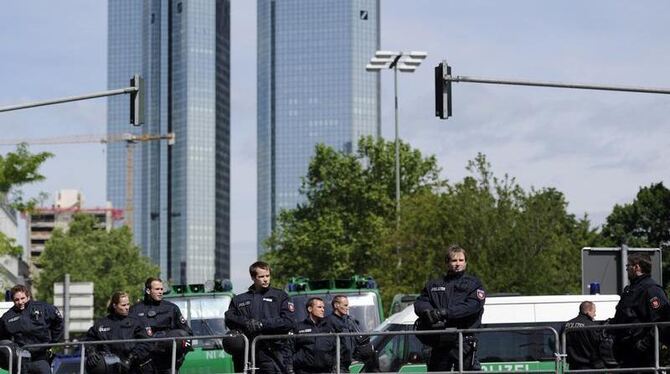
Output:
(338, 336)
(559, 351)
(84, 344)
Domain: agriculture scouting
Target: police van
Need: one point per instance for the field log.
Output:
(531, 350)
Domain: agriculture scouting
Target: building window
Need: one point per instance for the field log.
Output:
(364, 15)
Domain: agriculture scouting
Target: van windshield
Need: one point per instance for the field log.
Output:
(205, 314)
(363, 306)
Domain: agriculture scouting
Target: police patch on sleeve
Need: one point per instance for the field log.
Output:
(655, 302)
(148, 330)
(481, 295)
(182, 320)
(58, 314)
(291, 307)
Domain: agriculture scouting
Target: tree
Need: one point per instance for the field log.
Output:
(349, 209)
(89, 253)
(643, 223)
(517, 241)
(16, 169)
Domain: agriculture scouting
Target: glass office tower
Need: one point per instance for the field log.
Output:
(179, 195)
(312, 88)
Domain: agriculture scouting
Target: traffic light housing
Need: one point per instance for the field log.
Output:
(137, 101)
(442, 90)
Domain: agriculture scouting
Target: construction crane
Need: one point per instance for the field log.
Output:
(130, 139)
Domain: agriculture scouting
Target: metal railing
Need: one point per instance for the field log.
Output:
(250, 350)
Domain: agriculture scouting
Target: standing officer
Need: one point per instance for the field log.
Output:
(314, 355)
(263, 310)
(455, 301)
(583, 346)
(134, 357)
(641, 301)
(30, 322)
(163, 319)
(352, 347)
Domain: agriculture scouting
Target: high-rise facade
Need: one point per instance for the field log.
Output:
(178, 195)
(312, 88)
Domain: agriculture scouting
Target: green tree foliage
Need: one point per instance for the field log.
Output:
(643, 223)
(16, 169)
(89, 253)
(517, 241)
(350, 208)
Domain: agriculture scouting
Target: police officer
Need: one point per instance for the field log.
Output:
(641, 301)
(30, 322)
(455, 301)
(164, 319)
(314, 355)
(134, 356)
(583, 346)
(352, 347)
(263, 310)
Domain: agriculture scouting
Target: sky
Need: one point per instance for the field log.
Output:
(596, 147)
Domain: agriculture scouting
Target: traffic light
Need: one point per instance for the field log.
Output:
(137, 101)
(442, 91)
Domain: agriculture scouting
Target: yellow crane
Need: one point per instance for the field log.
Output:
(130, 139)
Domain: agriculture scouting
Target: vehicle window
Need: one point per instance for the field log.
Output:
(391, 349)
(536, 345)
(363, 307)
(205, 315)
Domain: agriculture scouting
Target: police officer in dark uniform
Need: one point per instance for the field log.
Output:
(641, 301)
(263, 310)
(583, 346)
(352, 347)
(133, 357)
(455, 301)
(30, 322)
(164, 319)
(314, 355)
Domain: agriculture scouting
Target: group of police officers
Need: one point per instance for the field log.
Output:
(30, 322)
(455, 301)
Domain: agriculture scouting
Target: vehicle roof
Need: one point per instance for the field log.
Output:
(525, 309)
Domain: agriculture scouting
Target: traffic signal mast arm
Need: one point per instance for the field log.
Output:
(443, 79)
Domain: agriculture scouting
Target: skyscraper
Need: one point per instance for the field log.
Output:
(312, 88)
(179, 195)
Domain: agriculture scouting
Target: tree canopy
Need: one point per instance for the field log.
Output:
(517, 241)
(90, 253)
(16, 169)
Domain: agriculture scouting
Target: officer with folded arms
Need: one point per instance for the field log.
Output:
(262, 310)
(163, 319)
(455, 301)
(128, 357)
(29, 322)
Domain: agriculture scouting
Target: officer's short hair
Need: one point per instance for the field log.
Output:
(147, 283)
(311, 301)
(586, 306)
(337, 299)
(115, 300)
(19, 288)
(641, 259)
(455, 248)
(253, 269)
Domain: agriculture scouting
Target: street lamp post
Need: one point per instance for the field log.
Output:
(406, 62)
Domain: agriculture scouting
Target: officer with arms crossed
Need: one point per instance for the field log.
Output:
(129, 357)
(163, 319)
(641, 301)
(30, 322)
(314, 355)
(352, 347)
(262, 310)
(455, 301)
(583, 346)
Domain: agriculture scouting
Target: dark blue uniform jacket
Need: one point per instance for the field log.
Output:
(316, 354)
(160, 316)
(116, 327)
(38, 323)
